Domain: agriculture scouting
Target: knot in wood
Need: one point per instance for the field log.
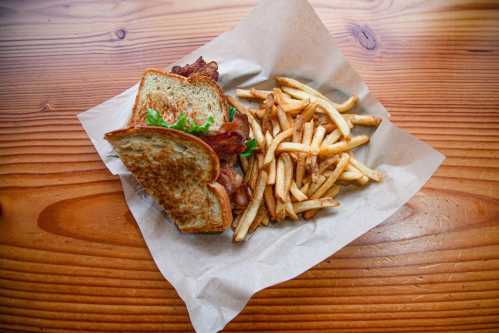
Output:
(365, 36)
(120, 33)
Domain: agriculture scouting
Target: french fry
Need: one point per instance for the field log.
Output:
(251, 210)
(309, 111)
(308, 129)
(266, 220)
(293, 106)
(259, 158)
(319, 134)
(291, 122)
(296, 193)
(276, 128)
(260, 215)
(293, 147)
(270, 201)
(333, 191)
(363, 180)
(254, 175)
(260, 113)
(286, 81)
(298, 125)
(268, 103)
(280, 210)
(288, 206)
(346, 106)
(336, 148)
(363, 120)
(288, 173)
(316, 184)
(279, 98)
(283, 119)
(273, 146)
(331, 138)
(325, 164)
(337, 119)
(303, 206)
(314, 168)
(280, 179)
(330, 127)
(244, 164)
(373, 174)
(252, 93)
(261, 94)
(331, 179)
(251, 165)
(268, 140)
(305, 187)
(350, 175)
(257, 131)
(238, 105)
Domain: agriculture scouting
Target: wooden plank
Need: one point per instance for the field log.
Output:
(72, 258)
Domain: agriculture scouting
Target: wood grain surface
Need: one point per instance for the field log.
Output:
(72, 258)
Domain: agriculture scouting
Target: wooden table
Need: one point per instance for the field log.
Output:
(72, 258)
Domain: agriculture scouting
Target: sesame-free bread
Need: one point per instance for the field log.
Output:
(178, 170)
(170, 94)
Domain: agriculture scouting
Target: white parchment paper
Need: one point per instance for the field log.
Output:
(215, 277)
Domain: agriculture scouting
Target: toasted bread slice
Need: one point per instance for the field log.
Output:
(178, 170)
(170, 94)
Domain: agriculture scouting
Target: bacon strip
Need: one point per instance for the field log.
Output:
(199, 67)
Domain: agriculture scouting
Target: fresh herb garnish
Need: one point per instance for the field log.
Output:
(250, 147)
(200, 129)
(232, 113)
(153, 118)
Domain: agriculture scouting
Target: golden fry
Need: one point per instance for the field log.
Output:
(296, 193)
(252, 93)
(340, 167)
(350, 175)
(288, 206)
(331, 138)
(293, 147)
(309, 111)
(260, 215)
(303, 206)
(288, 173)
(319, 134)
(257, 131)
(238, 105)
(251, 210)
(280, 179)
(325, 164)
(336, 148)
(373, 174)
(277, 140)
(270, 201)
(283, 119)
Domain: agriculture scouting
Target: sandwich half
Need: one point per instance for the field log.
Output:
(178, 170)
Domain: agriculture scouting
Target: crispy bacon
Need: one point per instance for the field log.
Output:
(228, 145)
(234, 185)
(225, 144)
(199, 67)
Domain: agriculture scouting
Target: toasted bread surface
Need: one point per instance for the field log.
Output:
(170, 94)
(179, 170)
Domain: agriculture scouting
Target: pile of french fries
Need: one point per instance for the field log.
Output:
(304, 153)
